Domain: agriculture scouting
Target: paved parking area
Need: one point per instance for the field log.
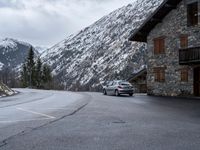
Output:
(109, 123)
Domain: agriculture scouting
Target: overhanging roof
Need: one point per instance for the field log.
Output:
(136, 75)
(141, 34)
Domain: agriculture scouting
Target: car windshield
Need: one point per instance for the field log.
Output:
(124, 83)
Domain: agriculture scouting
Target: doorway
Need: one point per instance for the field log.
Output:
(197, 81)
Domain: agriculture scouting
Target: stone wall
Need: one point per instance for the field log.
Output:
(172, 27)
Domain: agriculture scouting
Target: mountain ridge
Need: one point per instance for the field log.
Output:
(13, 53)
(93, 55)
(101, 51)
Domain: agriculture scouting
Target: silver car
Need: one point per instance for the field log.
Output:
(117, 88)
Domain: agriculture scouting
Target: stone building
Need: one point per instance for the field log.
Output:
(172, 34)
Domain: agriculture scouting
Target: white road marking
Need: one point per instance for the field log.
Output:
(13, 121)
(52, 108)
(56, 108)
(37, 113)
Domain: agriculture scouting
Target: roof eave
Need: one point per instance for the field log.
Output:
(141, 34)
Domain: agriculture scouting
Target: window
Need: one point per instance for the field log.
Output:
(184, 75)
(183, 41)
(159, 74)
(159, 45)
(192, 14)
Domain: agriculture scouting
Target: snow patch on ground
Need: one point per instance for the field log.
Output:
(1, 65)
(5, 91)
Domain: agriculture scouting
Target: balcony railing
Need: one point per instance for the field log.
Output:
(189, 56)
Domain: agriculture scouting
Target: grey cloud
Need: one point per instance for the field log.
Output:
(15, 4)
(45, 22)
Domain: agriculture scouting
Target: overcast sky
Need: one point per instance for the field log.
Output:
(46, 22)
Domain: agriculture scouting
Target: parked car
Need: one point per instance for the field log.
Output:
(117, 88)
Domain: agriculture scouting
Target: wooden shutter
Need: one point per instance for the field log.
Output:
(159, 45)
(156, 75)
(184, 41)
(162, 45)
(162, 75)
(159, 73)
(184, 75)
(156, 46)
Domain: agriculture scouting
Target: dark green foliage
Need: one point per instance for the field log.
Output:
(34, 74)
(24, 76)
(31, 67)
(38, 73)
(46, 76)
(8, 77)
(46, 73)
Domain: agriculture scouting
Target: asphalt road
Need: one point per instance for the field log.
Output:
(52, 120)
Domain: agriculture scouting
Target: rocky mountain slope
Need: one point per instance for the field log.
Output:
(101, 51)
(40, 49)
(13, 53)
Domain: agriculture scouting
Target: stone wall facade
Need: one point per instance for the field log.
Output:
(172, 27)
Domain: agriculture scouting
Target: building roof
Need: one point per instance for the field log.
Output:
(136, 75)
(159, 14)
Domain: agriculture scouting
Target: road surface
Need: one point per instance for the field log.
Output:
(53, 120)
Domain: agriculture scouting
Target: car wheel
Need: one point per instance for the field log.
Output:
(104, 92)
(117, 93)
(131, 94)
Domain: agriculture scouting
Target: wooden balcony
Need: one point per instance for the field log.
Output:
(189, 56)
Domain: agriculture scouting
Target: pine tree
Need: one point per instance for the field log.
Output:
(31, 67)
(35, 74)
(38, 73)
(24, 76)
(28, 70)
(46, 76)
(46, 73)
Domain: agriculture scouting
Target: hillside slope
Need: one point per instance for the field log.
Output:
(101, 51)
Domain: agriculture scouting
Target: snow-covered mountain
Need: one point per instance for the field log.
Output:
(13, 53)
(102, 51)
(41, 49)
